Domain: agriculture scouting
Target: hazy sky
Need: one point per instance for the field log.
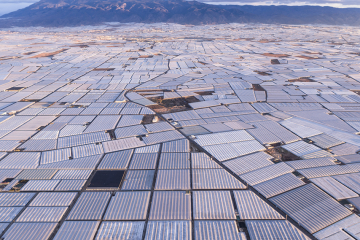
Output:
(12, 5)
(331, 3)
(7, 6)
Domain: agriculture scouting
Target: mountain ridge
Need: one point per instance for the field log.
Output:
(58, 13)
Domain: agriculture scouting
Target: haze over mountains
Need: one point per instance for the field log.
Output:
(57, 13)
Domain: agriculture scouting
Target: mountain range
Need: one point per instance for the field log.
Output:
(57, 13)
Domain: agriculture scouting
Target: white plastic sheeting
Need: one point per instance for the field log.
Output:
(138, 180)
(278, 185)
(250, 206)
(214, 179)
(178, 179)
(213, 205)
(120, 230)
(143, 161)
(334, 188)
(70, 185)
(7, 214)
(21, 160)
(273, 229)
(174, 161)
(48, 199)
(231, 150)
(89, 206)
(351, 181)
(221, 138)
(170, 205)
(122, 144)
(266, 173)
(15, 199)
(340, 229)
(70, 230)
(40, 185)
(39, 231)
(36, 174)
(128, 206)
(182, 145)
(116, 160)
(42, 214)
(201, 160)
(249, 162)
(171, 230)
(311, 163)
(310, 207)
(301, 148)
(216, 230)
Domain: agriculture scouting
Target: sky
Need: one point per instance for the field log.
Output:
(330, 3)
(7, 6)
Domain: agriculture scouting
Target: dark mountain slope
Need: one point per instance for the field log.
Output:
(81, 12)
(55, 13)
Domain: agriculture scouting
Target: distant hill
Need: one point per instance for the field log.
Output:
(57, 13)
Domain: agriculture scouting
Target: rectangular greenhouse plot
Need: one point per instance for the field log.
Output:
(341, 228)
(213, 205)
(143, 161)
(312, 208)
(351, 181)
(311, 163)
(249, 162)
(70, 230)
(173, 180)
(116, 160)
(138, 180)
(278, 185)
(120, 230)
(170, 205)
(50, 199)
(39, 231)
(251, 206)
(7, 214)
(274, 229)
(128, 206)
(334, 188)
(89, 206)
(214, 179)
(167, 229)
(42, 214)
(70, 185)
(266, 173)
(174, 161)
(201, 160)
(15, 199)
(205, 230)
(182, 145)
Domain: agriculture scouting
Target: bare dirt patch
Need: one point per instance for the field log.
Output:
(275, 55)
(50, 54)
(172, 105)
(308, 57)
(281, 154)
(29, 53)
(301, 79)
(262, 73)
(103, 69)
